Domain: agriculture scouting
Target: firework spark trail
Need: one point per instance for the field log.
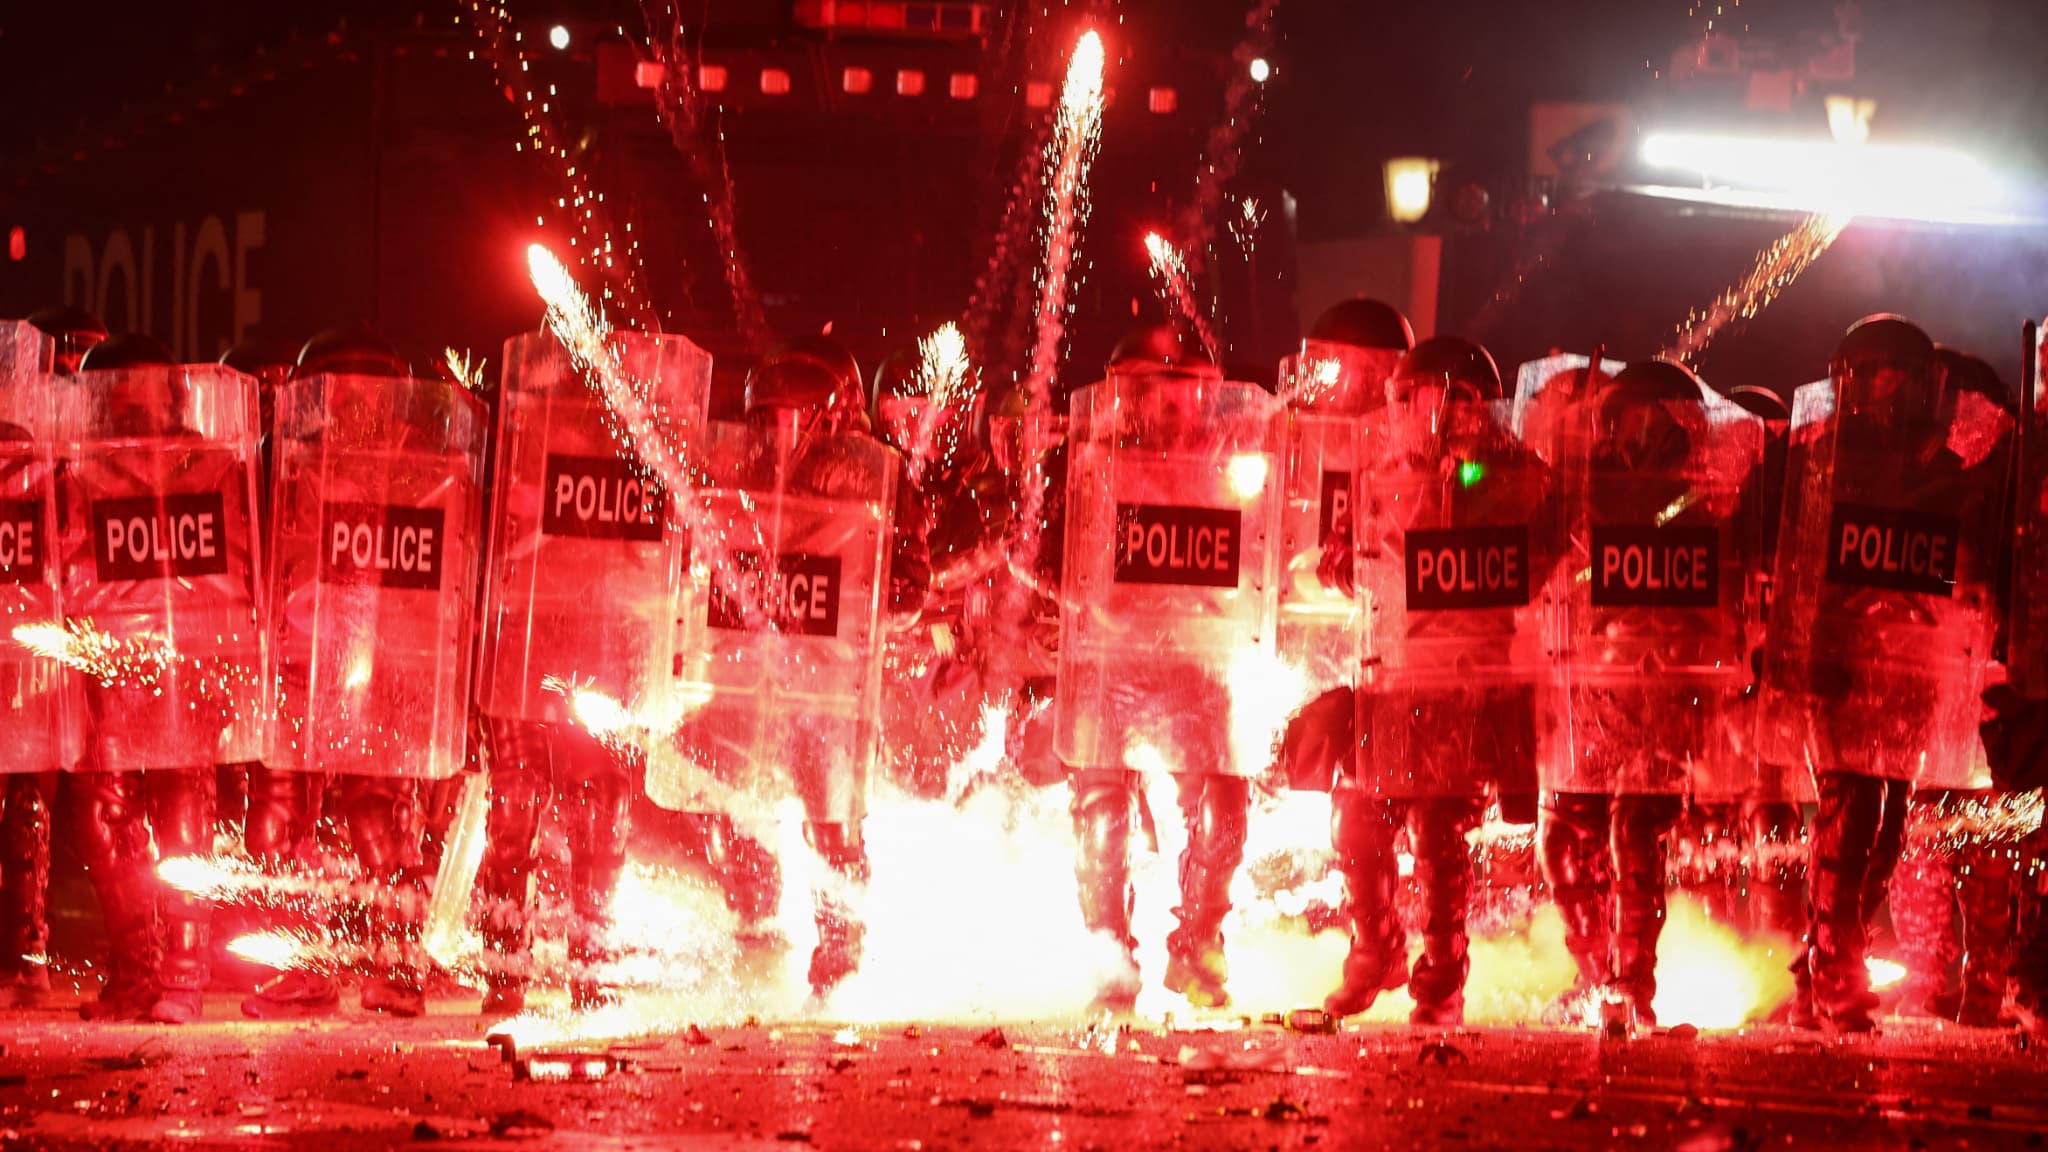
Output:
(587, 337)
(1077, 129)
(1777, 266)
(946, 378)
(1171, 270)
(510, 67)
(993, 323)
(1224, 149)
(995, 327)
(680, 108)
(1076, 133)
(142, 661)
(236, 880)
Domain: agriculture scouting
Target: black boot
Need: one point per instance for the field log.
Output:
(1362, 832)
(1777, 882)
(24, 890)
(840, 930)
(519, 776)
(1217, 811)
(1640, 826)
(384, 829)
(1572, 838)
(182, 808)
(598, 807)
(1102, 804)
(114, 842)
(1846, 833)
(1443, 869)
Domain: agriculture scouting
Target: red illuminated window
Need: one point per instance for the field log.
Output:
(774, 82)
(909, 82)
(1038, 94)
(711, 77)
(963, 85)
(856, 81)
(17, 244)
(1162, 100)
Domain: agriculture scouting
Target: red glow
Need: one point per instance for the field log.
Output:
(774, 82)
(963, 85)
(1162, 100)
(856, 81)
(711, 77)
(17, 244)
(909, 82)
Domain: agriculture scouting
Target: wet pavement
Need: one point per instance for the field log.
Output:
(363, 1082)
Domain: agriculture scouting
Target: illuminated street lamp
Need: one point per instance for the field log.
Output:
(1411, 181)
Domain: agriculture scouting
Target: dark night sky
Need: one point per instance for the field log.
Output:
(1358, 79)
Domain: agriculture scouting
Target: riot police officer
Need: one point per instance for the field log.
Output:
(1875, 654)
(1445, 711)
(1171, 550)
(160, 553)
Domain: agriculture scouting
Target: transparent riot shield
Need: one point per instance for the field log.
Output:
(1327, 387)
(1455, 547)
(1173, 508)
(779, 668)
(582, 583)
(162, 587)
(2027, 627)
(1655, 608)
(1319, 627)
(1882, 623)
(1549, 393)
(376, 530)
(34, 719)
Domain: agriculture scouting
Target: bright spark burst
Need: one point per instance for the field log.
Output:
(1883, 973)
(276, 948)
(140, 660)
(1776, 268)
(469, 372)
(946, 378)
(1245, 225)
(209, 877)
(1171, 270)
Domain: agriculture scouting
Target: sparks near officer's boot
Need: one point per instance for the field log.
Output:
(1101, 810)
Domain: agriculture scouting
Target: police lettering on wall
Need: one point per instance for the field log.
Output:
(601, 497)
(1336, 501)
(1452, 569)
(1177, 544)
(21, 542)
(801, 595)
(1893, 548)
(1642, 567)
(156, 538)
(388, 545)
